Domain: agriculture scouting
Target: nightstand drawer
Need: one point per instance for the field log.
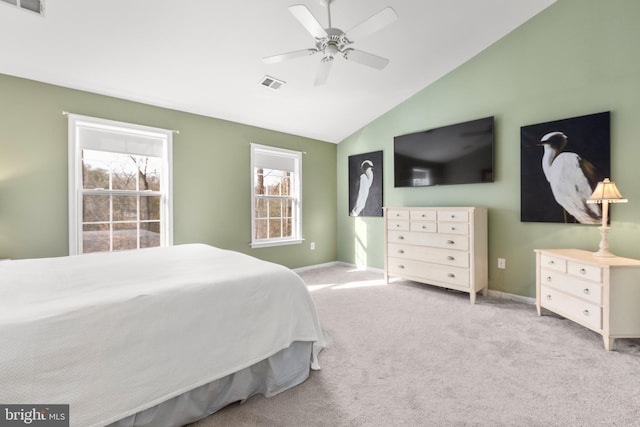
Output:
(589, 272)
(555, 263)
(587, 290)
(587, 314)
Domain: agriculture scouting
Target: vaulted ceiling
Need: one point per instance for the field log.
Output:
(205, 57)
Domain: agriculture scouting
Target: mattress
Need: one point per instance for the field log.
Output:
(113, 334)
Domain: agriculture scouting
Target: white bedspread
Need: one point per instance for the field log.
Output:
(112, 334)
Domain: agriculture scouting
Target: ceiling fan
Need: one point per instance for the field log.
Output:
(331, 42)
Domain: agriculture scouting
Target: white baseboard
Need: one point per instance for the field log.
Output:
(513, 297)
(313, 267)
(335, 263)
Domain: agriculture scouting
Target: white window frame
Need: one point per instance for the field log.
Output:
(164, 137)
(264, 153)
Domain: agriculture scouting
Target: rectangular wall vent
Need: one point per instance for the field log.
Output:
(271, 82)
(35, 6)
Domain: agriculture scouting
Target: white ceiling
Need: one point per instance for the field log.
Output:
(205, 56)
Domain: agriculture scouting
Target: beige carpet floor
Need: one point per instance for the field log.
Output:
(407, 354)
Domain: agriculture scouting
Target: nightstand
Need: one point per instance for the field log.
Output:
(600, 293)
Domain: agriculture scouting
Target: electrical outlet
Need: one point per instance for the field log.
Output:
(313, 246)
(502, 263)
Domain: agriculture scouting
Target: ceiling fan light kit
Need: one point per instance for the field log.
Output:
(332, 42)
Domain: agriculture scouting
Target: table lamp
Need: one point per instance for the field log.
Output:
(606, 192)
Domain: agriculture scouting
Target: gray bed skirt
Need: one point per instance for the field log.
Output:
(280, 372)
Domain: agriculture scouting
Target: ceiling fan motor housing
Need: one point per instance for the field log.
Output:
(334, 43)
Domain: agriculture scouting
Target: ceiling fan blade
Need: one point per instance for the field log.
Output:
(323, 71)
(289, 55)
(372, 24)
(308, 21)
(366, 58)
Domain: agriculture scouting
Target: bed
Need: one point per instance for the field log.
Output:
(158, 336)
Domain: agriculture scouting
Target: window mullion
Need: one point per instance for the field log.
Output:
(110, 221)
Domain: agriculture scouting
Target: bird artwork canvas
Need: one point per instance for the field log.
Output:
(561, 163)
(365, 184)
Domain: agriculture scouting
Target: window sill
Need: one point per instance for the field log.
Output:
(267, 244)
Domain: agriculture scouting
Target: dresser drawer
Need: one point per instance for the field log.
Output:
(423, 215)
(425, 227)
(453, 227)
(585, 313)
(427, 254)
(447, 241)
(589, 272)
(554, 263)
(428, 272)
(453, 216)
(585, 289)
(399, 225)
(398, 214)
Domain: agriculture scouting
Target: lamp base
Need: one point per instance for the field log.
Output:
(604, 244)
(603, 253)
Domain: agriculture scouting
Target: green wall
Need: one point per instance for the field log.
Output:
(211, 175)
(577, 57)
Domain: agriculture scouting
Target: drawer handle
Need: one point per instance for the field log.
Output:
(549, 297)
(453, 228)
(451, 242)
(587, 291)
(423, 216)
(400, 237)
(548, 278)
(583, 271)
(586, 312)
(551, 262)
(450, 258)
(397, 225)
(400, 251)
(453, 216)
(451, 275)
(401, 266)
(424, 226)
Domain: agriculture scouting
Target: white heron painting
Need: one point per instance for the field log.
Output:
(365, 184)
(561, 163)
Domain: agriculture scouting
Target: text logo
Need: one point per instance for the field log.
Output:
(34, 415)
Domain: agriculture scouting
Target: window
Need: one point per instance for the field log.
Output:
(119, 186)
(275, 202)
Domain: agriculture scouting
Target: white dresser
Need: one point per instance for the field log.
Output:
(441, 246)
(600, 293)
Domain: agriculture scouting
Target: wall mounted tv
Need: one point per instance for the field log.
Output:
(456, 154)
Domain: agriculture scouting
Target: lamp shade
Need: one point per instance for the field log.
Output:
(606, 191)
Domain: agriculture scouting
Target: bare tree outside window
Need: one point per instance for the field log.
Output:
(273, 204)
(121, 204)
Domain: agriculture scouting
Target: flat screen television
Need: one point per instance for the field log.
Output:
(456, 154)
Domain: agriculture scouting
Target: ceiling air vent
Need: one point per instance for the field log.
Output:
(271, 82)
(35, 6)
